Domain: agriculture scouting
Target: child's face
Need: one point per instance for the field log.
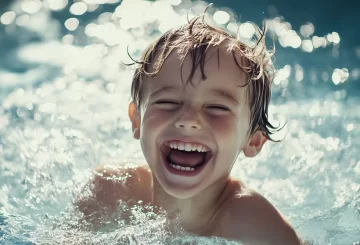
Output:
(214, 114)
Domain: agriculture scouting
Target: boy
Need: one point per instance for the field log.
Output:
(200, 98)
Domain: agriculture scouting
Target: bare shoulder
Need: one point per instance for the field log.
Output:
(249, 217)
(121, 182)
(112, 183)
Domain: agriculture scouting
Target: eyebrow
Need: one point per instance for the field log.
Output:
(224, 94)
(162, 90)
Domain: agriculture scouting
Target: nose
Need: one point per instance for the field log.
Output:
(188, 120)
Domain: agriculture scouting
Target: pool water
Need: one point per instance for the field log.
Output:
(64, 94)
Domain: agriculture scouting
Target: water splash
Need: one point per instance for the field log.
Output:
(49, 146)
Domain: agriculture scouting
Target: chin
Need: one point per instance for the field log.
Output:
(181, 191)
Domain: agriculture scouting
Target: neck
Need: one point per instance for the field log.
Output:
(195, 214)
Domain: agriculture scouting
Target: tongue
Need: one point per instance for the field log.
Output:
(186, 158)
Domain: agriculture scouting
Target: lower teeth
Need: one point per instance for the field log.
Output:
(177, 167)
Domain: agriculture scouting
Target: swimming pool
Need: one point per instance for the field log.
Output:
(63, 110)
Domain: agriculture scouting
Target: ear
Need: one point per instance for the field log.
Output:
(135, 120)
(255, 144)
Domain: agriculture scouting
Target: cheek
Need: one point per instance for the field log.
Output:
(151, 124)
(231, 131)
(153, 119)
(224, 126)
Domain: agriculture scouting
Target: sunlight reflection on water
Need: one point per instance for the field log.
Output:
(67, 112)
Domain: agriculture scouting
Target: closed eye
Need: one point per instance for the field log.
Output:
(218, 107)
(167, 102)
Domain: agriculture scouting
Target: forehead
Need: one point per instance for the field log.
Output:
(220, 70)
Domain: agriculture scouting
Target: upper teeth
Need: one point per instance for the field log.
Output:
(186, 146)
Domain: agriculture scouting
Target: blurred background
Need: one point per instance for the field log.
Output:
(64, 94)
(312, 20)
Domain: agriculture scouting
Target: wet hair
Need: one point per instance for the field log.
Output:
(194, 39)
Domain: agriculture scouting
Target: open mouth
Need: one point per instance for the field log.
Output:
(185, 157)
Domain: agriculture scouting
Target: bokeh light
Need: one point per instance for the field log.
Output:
(31, 6)
(78, 8)
(64, 94)
(7, 18)
(57, 5)
(246, 30)
(221, 17)
(71, 24)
